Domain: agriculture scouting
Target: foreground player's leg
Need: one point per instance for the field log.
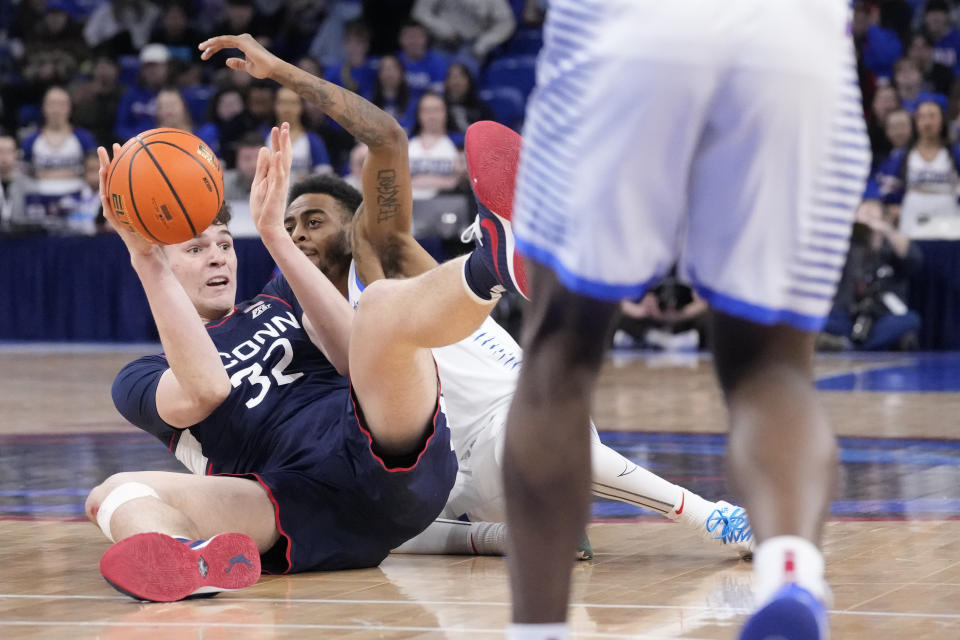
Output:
(564, 341)
(169, 530)
(783, 462)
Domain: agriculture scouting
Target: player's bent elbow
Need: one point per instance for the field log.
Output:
(393, 137)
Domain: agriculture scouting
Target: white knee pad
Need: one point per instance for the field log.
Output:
(121, 494)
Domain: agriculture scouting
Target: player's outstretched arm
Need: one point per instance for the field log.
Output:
(196, 382)
(383, 226)
(327, 314)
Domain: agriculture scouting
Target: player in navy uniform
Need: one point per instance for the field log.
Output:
(305, 469)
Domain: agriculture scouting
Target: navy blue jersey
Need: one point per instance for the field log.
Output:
(292, 424)
(284, 389)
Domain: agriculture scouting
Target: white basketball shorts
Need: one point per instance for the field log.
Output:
(727, 137)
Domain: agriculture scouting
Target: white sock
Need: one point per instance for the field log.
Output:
(549, 631)
(454, 537)
(617, 478)
(784, 560)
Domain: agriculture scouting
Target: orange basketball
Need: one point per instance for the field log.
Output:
(165, 184)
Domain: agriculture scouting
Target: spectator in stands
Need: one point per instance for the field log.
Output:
(55, 159)
(41, 70)
(353, 70)
(467, 29)
(119, 27)
(260, 98)
(435, 163)
(56, 30)
(13, 184)
(899, 129)
(297, 23)
(463, 104)
(227, 122)
(880, 48)
(172, 110)
(309, 152)
(327, 44)
(921, 182)
(392, 93)
(240, 16)
(670, 317)
(938, 25)
(96, 101)
(425, 68)
(82, 210)
(175, 31)
(358, 155)
(936, 77)
(870, 310)
(138, 106)
(885, 100)
(909, 83)
(237, 183)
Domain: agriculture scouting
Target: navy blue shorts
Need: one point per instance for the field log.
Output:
(343, 506)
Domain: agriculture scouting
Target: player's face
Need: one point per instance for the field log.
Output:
(206, 267)
(316, 223)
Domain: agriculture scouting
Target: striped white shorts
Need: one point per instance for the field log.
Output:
(726, 136)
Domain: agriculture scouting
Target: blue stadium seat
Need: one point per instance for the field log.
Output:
(525, 42)
(518, 72)
(507, 104)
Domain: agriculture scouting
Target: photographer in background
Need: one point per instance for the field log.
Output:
(870, 310)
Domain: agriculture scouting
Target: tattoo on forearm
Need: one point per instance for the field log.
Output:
(362, 119)
(388, 205)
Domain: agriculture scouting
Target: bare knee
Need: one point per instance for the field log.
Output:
(564, 336)
(377, 298)
(97, 495)
(746, 352)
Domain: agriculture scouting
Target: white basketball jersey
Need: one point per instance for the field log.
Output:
(478, 375)
(931, 191)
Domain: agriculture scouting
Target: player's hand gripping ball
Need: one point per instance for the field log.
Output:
(165, 184)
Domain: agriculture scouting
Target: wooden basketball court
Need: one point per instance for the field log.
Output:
(892, 545)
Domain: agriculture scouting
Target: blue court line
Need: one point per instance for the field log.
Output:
(17, 493)
(915, 506)
(71, 509)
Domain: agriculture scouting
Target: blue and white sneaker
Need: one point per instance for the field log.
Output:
(728, 525)
(792, 614)
(159, 568)
(493, 153)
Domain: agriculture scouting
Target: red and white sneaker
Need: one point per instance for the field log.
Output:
(160, 568)
(493, 153)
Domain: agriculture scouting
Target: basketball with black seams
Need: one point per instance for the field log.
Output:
(166, 185)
